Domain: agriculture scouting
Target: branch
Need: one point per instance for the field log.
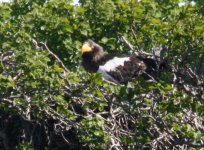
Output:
(130, 47)
(126, 43)
(194, 75)
(55, 56)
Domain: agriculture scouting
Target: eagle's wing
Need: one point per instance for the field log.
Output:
(122, 70)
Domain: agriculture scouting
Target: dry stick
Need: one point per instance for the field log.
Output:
(194, 75)
(129, 45)
(65, 138)
(56, 57)
(135, 36)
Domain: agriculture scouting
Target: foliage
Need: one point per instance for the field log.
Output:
(48, 102)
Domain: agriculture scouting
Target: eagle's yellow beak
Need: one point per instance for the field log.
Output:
(86, 48)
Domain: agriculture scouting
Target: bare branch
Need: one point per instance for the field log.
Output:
(55, 56)
(131, 48)
(126, 43)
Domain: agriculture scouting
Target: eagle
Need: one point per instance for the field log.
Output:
(117, 68)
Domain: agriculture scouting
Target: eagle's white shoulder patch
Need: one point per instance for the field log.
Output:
(112, 64)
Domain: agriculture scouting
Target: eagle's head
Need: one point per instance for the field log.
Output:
(92, 50)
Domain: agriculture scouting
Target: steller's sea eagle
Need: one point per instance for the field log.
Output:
(119, 69)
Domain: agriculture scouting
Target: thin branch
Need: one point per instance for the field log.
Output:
(135, 36)
(55, 56)
(127, 43)
(130, 47)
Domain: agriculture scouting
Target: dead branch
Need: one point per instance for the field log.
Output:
(55, 57)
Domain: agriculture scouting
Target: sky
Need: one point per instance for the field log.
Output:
(75, 1)
(5, 0)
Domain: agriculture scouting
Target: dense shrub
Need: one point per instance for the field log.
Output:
(48, 101)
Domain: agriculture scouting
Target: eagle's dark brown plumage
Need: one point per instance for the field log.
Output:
(116, 68)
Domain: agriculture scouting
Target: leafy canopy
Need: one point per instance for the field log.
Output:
(71, 109)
